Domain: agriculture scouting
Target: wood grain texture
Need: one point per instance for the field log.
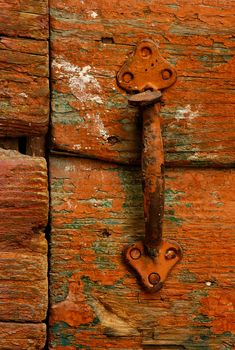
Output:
(91, 40)
(24, 96)
(23, 261)
(96, 302)
(24, 18)
(15, 336)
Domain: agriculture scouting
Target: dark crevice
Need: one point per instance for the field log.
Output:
(22, 145)
(47, 154)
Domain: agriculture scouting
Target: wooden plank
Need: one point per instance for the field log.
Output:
(23, 262)
(89, 43)
(15, 336)
(24, 18)
(96, 302)
(24, 97)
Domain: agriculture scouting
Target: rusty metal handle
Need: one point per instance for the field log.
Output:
(152, 161)
(152, 258)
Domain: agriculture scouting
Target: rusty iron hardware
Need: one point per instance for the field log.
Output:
(145, 74)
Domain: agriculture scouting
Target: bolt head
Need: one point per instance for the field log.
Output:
(166, 74)
(171, 253)
(127, 77)
(135, 253)
(146, 52)
(154, 278)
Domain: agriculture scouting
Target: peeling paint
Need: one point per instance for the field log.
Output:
(83, 85)
(185, 113)
(93, 14)
(95, 124)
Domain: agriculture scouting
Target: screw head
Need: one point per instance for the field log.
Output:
(154, 278)
(171, 253)
(135, 253)
(166, 74)
(146, 52)
(127, 77)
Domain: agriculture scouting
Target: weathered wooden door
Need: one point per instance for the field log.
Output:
(96, 201)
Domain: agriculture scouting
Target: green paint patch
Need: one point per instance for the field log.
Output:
(219, 204)
(187, 276)
(66, 273)
(213, 60)
(60, 293)
(199, 293)
(188, 205)
(62, 335)
(103, 249)
(104, 263)
(174, 219)
(202, 318)
(173, 6)
(116, 101)
(173, 195)
(57, 184)
(89, 284)
(75, 224)
(105, 203)
(68, 118)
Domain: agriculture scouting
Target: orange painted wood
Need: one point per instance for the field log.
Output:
(24, 96)
(23, 261)
(89, 43)
(96, 302)
(24, 18)
(15, 336)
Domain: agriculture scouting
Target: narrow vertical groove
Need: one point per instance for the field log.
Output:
(47, 151)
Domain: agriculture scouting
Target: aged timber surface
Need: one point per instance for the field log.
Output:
(89, 43)
(18, 336)
(23, 261)
(24, 18)
(24, 96)
(24, 87)
(96, 303)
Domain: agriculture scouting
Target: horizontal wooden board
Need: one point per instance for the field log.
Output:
(24, 18)
(23, 261)
(24, 96)
(15, 336)
(96, 302)
(89, 43)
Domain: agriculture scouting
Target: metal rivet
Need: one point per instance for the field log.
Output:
(166, 74)
(154, 278)
(127, 77)
(146, 52)
(135, 253)
(171, 253)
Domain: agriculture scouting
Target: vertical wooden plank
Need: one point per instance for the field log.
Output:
(23, 262)
(96, 302)
(24, 97)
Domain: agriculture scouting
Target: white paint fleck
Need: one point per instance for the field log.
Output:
(93, 14)
(23, 94)
(83, 85)
(197, 156)
(185, 113)
(208, 283)
(69, 168)
(94, 124)
(77, 146)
